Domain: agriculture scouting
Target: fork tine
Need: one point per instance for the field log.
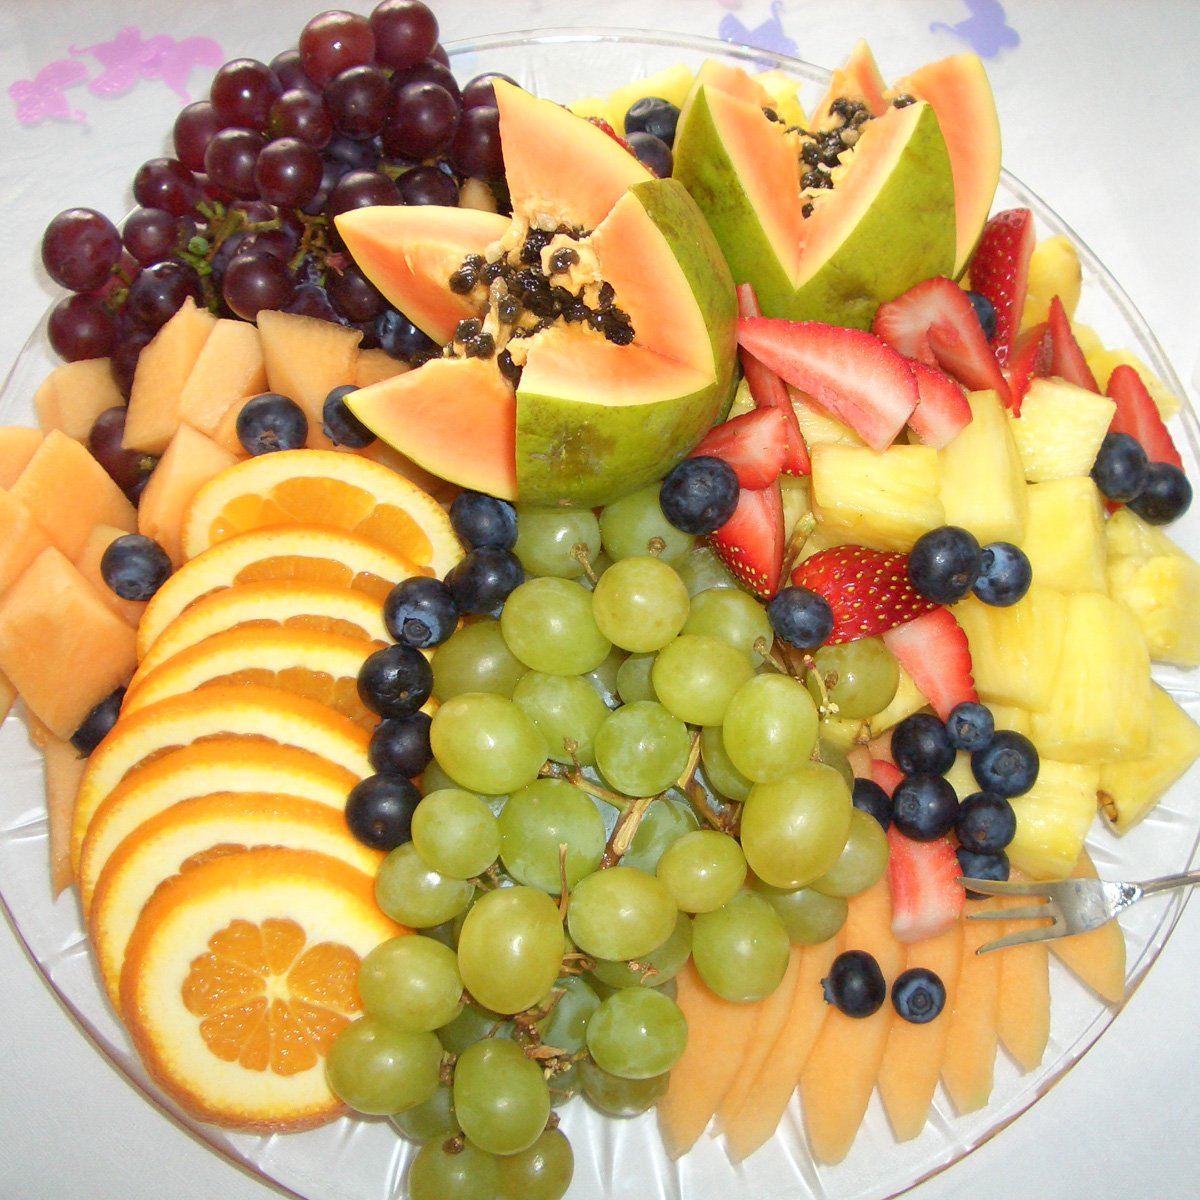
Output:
(1045, 934)
(1014, 914)
(994, 887)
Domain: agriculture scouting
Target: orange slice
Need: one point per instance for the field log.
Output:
(224, 763)
(291, 604)
(239, 973)
(313, 553)
(322, 487)
(246, 711)
(193, 830)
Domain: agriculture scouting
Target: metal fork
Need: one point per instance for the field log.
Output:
(1072, 905)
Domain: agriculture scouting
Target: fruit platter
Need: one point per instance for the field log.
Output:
(564, 592)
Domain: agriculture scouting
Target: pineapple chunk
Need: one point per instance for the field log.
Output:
(1053, 271)
(1088, 340)
(597, 106)
(1009, 716)
(983, 481)
(1064, 538)
(1053, 818)
(818, 426)
(742, 402)
(1104, 362)
(960, 776)
(885, 501)
(1100, 704)
(1129, 790)
(784, 91)
(1060, 429)
(905, 702)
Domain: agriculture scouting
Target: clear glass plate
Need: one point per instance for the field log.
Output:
(624, 1160)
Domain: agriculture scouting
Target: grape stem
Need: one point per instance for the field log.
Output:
(804, 529)
(579, 552)
(625, 830)
(564, 895)
(576, 776)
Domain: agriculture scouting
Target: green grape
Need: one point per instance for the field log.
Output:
(564, 1080)
(540, 818)
(472, 1025)
(433, 1119)
(485, 743)
(455, 833)
(500, 1097)
(548, 625)
(466, 1174)
(770, 727)
(655, 969)
(833, 756)
(413, 893)
(863, 859)
(565, 1027)
(543, 1172)
(741, 949)
(620, 913)
(637, 1033)
(701, 570)
(733, 616)
(666, 819)
(376, 1068)
(511, 948)
(604, 677)
(635, 524)
(718, 769)
(703, 870)
(633, 679)
(621, 1097)
(640, 603)
(546, 538)
(697, 675)
(793, 831)
(861, 677)
(475, 658)
(412, 982)
(808, 916)
(435, 779)
(563, 707)
(641, 749)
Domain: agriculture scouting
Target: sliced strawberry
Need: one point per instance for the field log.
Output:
(750, 543)
(1138, 415)
(868, 590)
(1000, 271)
(1066, 358)
(1030, 358)
(755, 445)
(769, 391)
(852, 374)
(927, 898)
(943, 411)
(886, 774)
(933, 649)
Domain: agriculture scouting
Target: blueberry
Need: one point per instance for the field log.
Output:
(970, 725)
(652, 152)
(873, 800)
(921, 745)
(271, 422)
(918, 995)
(134, 567)
(1004, 574)
(993, 867)
(985, 310)
(699, 495)
(985, 823)
(1167, 494)
(800, 617)
(1120, 467)
(482, 520)
(395, 681)
(379, 810)
(420, 611)
(483, 580)
(98, 722)
(653, 114)
(924, 807)
(341, 426)
(400, 745)
(1007, 765)
(400, 338)
(855, 984)
(944, 564)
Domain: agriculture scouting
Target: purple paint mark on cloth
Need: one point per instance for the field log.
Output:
(986, 30)
(769, 35)
(129, 57)
(43, 96)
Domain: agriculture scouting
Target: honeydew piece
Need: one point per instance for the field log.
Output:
(1103, 362)
(64, 770)
(60, 645)
(819, 427)
(1064, 537)
(162, 370)
(1054, 270)
(228, 367)
(1023, 1009)
(17, 444)
(23, 538)
(374, 365)
(1053, 818)
(68, 492)
(969, 1059)
(1098, 956)
(1060, 429)
(671, 84)
(982, 477)
(98, 540)
(74, 395)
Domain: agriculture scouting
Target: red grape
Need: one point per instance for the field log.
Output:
(357, 101)
(405, 32)
(254, 282)
(159, 291)
(129, 469)
(79, 249)
(421, 122)
(288, 172)
(353, 295)
(333, 41)
(242, 93)
(125, 357)
(230, 159)
(428, 185)
(166, 183)
(150, 234)
(300, 113)
(476, 150)
(194, 129)
(428, 70)
(480, 91)
(360, 189)
(81, 327)
(289, 71)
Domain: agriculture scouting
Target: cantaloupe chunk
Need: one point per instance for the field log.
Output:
(1023, 1008)
(225, 435)
(1098, 957)
(374, 365)
(755, 1122)
(190, 461)
(17, 444)
(74, 395)
(162, 370)
(8, 696)
(64, 769)
(912, 1061)
(840, 1073)
(718, 1033)
(22, 541)
(228, 367)
(969, 1062)
(60, 646)
(88, 562)
(68, 492)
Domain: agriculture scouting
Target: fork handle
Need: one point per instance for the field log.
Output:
(1170, 882)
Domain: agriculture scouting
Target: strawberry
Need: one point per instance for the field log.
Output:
(935, 323)
(755, 445)
(1030, 358)
(1138, 415)
(927, 898)
(933, 649)
(943, 410)
(750, 543)
(1000, 271)
(861, 381)
(868, 590)
(1066, 358)
(769, 391)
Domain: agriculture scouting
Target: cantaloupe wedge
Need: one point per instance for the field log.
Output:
(1023, 1010)
(17, 444)
(968, 1065)
(8, 696)
(74, 395)
(912, 1061)
(23, 540)
(228, 367)
(374, 365)
(88, 563)
(64, 769)
(840, 1073)
(1098, 958)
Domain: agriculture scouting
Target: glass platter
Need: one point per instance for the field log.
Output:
(363, 1159)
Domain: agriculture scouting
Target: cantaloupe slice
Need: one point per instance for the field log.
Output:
(225, 433)
(1098, 958)
(64, 769)
(88, 563)
(23, 538)
(74, 395)
(8, 696)
(968, 1065)
(374, 365)
(228, 367)
(17, 444)
(840, 1073)
(1023, 1008)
